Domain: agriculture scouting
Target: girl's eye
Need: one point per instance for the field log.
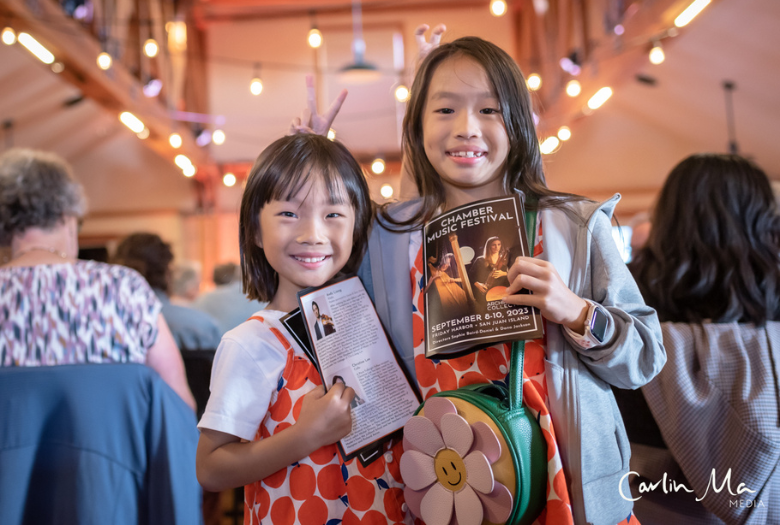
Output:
(287, 214)
(490, 111)
(445, 111)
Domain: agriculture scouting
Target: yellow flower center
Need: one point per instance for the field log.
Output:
(450, 469)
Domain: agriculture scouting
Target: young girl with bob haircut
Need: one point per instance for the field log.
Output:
(469, 134)
(268, 424)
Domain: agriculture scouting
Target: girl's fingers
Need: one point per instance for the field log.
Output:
(334, 109)
(419, 34)
(311, 95)
(436, 34)
(530, 282)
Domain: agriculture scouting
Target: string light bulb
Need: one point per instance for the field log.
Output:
(182, 161)
(36, 48)
(498, 8)
(143, 134)
(386, 191)
(549, 145)
(402, 93)
(331, 134)
(314, 38)
(564, 133)
(189, 171)
(175, 140)
(218, 137)
(573, 88)
(229, 180)
(534, 81)
(132, 122)
(9, 36)
(58, 67)
(104, 61)
(657, 55)
(378, 166)
(601, 96)
(151, 48)
(256, 87)
(690, 12)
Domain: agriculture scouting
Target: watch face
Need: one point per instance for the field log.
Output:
(598, 324)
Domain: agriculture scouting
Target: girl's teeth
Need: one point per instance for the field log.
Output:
(468, 154)
(310, 259)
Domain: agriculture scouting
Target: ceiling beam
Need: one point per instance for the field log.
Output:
(611, 61)
(116, 90)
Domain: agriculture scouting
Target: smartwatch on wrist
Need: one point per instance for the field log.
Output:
(596, 322)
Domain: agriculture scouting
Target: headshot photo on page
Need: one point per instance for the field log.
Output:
(321, 322)
(346, 377)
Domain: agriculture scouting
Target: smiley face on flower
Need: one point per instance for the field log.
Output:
(447, 468)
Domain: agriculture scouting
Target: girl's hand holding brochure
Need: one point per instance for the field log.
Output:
(325, 417)
(553, 298)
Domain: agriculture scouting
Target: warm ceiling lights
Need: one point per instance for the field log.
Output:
(601, 96)
(386, 191)
(549, 145)
(144, 134)
(9, 36)
(218, 137)
(229, 180)
(690, 12)
(331, 134)
(534, 81)
(35, 47)
(378, 166)
(175, 140)
(151, 48)
(189, 171)
(402, 93)
(104, 60)
(314, 38)
(498, 8)
(657, 54)
(131, 121)
(573, 88)
(256, 87)
(564, 133)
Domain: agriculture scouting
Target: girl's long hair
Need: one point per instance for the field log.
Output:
(524, 169)
(714, 248)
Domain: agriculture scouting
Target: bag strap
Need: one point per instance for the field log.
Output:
(517, 355)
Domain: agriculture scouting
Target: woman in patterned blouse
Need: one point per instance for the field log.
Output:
(56, 309)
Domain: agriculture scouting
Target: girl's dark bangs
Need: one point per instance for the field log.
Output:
(293, 177)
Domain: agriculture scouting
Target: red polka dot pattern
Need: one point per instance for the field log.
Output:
(492, 364)
(313, 491)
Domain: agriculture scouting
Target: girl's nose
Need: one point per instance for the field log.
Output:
(467, 125)
(312, 231)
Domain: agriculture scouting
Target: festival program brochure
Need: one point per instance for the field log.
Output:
(347, 343)
(466, 254)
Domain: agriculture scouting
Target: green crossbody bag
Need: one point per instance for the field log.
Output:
(477, 454)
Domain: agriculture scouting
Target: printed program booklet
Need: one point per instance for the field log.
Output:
(466, 254)
(337, 325)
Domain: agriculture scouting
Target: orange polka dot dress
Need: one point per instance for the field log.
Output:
(320, 489)
(491, 365)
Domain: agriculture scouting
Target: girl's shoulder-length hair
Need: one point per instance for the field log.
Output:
(280, 171)
(714, 248)
(524, 170)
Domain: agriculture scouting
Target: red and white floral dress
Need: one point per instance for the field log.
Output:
(319, 489)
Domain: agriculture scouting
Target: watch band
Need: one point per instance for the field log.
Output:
(587, 339)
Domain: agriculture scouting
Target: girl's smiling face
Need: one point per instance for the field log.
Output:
(464, 135)
(307, 239)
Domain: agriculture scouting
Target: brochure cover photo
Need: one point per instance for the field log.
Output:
(467, 252)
